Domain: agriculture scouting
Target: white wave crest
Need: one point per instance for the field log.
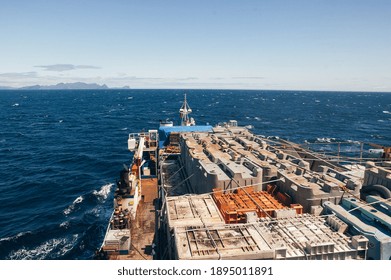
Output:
(94, 211)
(68, 210)
(104, 191)
(20, 234)
(386, 112)
(42, 251)
(325, 140)
(354, 142)
(78, 200)
(64, 224)
(71, 207)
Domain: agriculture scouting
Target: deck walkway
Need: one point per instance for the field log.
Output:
(143, 230)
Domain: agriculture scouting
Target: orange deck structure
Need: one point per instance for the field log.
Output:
(234, 205)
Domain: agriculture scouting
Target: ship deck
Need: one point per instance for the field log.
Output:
(143, 230)
(230, 194)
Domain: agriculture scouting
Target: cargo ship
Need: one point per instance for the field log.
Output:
(197, 192)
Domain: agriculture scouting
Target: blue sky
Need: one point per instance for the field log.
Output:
(257, 44)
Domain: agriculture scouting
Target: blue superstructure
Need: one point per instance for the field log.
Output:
(165, 131)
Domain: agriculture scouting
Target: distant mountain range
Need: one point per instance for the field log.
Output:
(77, 85)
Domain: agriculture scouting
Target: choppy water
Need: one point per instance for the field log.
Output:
(61, 151)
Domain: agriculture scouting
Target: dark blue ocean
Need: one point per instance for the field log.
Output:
(61, 151)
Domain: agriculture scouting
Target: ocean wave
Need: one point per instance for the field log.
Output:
(353, 141)
(52, 248)
(38, 253)
(325, 140)
(387, 112)
(103, 192)
(65, 224)
(9, 238)
(78, 200)
(377, 136)
(93, 212)
(71, 207)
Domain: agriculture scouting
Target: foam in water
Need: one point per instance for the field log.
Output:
(68, 210)
(354, 142)
(72, 206)
(104, 191)
(20, 234)
(78, 200)
(94, 211)
(62, 245)
(325, 140)
(64, 224)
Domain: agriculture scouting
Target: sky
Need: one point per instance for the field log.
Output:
(248, 44)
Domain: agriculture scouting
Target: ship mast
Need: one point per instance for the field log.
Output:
(184, 112)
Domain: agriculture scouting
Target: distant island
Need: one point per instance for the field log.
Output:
(77, 85)
(61, 86)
